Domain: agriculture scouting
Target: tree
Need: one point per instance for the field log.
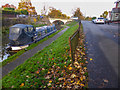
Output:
(27, 6)
(44, 11)
(93, 18)
(68, 17)
(104, 14)
(9, 9)
(54, 13)
(88, 18)
(25, 12)
(78, 13)
(101, 15)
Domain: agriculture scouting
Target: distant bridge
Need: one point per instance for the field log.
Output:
(58, 19)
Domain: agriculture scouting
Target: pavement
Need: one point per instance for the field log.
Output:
(102, 46)
(21, 59)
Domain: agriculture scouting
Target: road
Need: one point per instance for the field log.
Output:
(102, 46)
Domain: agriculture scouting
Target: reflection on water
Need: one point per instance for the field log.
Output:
(3, 49)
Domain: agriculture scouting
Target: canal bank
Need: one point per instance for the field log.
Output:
(10, 66)
(45, 67)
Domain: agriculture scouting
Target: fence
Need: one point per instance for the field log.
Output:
(73, 41)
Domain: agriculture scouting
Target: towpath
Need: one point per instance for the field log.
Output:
(12, 65)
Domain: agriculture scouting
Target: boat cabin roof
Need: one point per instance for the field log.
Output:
(22, 26)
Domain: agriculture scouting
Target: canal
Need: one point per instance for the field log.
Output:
(5, 52)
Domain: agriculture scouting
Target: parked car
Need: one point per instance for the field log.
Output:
(99, 20)
(22, 16)
(93, 20)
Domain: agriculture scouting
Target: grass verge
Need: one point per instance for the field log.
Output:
(44, 69)
(15, 56)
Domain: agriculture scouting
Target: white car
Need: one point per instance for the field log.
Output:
(99, 20)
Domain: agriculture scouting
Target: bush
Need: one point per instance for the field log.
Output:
(7, 9)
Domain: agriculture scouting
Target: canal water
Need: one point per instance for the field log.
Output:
(5, 53)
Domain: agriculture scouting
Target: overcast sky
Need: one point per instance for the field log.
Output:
(88, 7)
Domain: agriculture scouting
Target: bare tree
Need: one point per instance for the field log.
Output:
(44, 10)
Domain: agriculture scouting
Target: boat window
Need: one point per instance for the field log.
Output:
(15, 30)
(25, 29)
(39, 34)
(45, 31)
(30, 29)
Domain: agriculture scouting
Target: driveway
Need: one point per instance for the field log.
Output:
(102, 46)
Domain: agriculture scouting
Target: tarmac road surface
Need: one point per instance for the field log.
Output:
(102, 46)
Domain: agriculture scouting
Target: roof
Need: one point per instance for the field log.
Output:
(22, 26)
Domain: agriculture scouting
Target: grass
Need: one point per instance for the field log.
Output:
(37, 71)
(15, 56)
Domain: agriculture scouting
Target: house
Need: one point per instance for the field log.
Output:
(9, 6)
(115, 13)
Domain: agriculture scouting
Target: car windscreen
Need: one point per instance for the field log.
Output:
(14, 33)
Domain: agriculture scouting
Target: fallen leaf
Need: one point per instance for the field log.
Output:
(43, 69)
(85, 68)
(82, 72)
(78, 82)
(105, 80)
(81, 78)
(22, 84)
(60, 85)
(48, 77)
(76, 63)
(48, 72)
(76, 86)
(49, 84)
(82, 85)
(84, 77)
(91, 59)
(31, 85)
(64, 83)
(79, 66)
(70, 68)
(27, 76)
(50, 81)
(86, 62)
(12, 86)
(73, 76)
(60, 78)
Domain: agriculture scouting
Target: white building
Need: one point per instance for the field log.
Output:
(115, 13)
